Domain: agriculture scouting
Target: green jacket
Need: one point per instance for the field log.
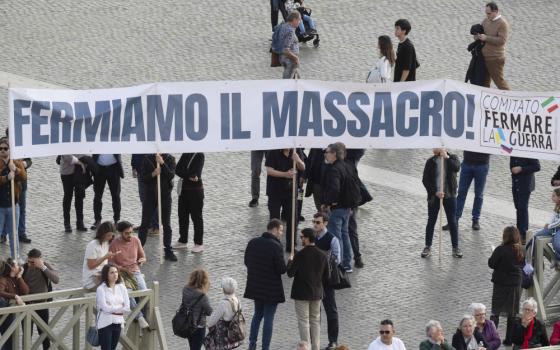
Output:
(427, 345)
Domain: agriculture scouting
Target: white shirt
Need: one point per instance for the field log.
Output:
(224, 310)
(94, 250)
(377, 344)
(110, 302)
(381, 72)
(106, 159)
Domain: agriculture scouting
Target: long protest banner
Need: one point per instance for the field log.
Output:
(217, 116)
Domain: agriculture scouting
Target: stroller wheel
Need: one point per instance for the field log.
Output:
(316, 43)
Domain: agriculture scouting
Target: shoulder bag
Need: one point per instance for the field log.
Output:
(183, 323)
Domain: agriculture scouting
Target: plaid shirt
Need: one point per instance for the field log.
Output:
(288, 38)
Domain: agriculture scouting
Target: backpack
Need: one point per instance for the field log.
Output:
(183, 323)
(351, 195)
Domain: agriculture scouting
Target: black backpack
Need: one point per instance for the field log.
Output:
(183, 322)
(351, 195)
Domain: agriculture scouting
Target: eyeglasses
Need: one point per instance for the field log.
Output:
(316, 222)
(4, 148)
(384, 332)
(478, 315)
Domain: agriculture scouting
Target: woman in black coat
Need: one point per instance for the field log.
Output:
(468, 337)
(507, 262)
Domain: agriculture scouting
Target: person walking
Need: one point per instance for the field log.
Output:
(112, 302)
(382, 71)
(194, 296)
(286, 44)
(506, 261)
(309, 268)
(406, 62)
(265, 264)
(191, 200)
(496, 32)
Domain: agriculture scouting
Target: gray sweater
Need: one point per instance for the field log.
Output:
(201, 309)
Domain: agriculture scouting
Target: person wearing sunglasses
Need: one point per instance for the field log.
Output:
(386, 339)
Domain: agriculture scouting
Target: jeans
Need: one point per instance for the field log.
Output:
(109, 336)
(266, 310)
(468, 173)
(338, 226)
(277, 204)
(256, 169)
(310, 23)
(22, 206)
(291, 69)
(353, 232)
(449, 205)
(546, 232)
(107, 174)
(140, 280)
(190, 205)
(329, 303)
(71, 189)
(197, 339)
(142, 193)
(521, 203)
(6, 223)
(308, 313)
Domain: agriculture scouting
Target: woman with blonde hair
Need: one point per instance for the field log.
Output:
(194, 296)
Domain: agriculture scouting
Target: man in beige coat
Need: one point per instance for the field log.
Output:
(496, 31)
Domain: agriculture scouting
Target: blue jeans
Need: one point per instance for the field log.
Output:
(310, 22)
(140, 280)
(545, 232)
(109, 336)
(468, 173)
(449, 205)
(266, 310)
(197, 339)
(338, 226)
(6, 223)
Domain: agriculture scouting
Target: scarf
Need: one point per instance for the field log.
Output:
(528, 335)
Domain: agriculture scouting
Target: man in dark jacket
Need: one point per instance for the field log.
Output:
(522, 184)
(432, 180)
(150, 171)
(309, 267)
(136, 161)
(332, 199)
(265, 266)
(110, 171)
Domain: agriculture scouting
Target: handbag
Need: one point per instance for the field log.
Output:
(274, 59)
(343, 277)
(528, 270)
(92, 335)
(226, 335)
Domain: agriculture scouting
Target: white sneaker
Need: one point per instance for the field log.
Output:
(180, 245)
(197, 248)
(143, 323)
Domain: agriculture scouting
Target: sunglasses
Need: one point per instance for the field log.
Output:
(384, 332)
(4, 148)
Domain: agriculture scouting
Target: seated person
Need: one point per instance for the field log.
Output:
(305, 18)
(435, 338)
(486, 327)
(468, 337)
(528, 332)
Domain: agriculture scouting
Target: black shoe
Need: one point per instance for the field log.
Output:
(331, 346)
(475, 225)
(445, 227)
(254, 203)
(358, 263)
(301, 218)
(67, 228)
(507, 342)
(95, 224)
(81, 228)
(24, 239)
(169, 255)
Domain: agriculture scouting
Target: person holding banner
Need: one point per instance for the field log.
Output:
(432, 180)
(10, 169)
(280, 174)
(150, 172)
(110, 171)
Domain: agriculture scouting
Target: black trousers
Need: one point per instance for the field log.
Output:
(148, 207)
(275, 6)
(110, 175)
(353, 233)
(521, 203)
(280, 207)
(191, 202)
(70, 189)
(329, 303)
(44, 314)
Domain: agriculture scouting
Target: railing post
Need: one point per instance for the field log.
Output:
(89, 316)
(27, 330)
(76, 329)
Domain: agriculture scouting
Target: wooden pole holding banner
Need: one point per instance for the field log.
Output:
(441, 184)
(14, 238)
(294, 201)
(160, 225)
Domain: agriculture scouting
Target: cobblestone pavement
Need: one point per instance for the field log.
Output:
(108, 44)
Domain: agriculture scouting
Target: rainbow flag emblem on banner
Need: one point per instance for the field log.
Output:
(550, 104)
(500, 138)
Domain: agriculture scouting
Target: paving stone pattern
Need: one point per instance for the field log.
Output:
(99, 44)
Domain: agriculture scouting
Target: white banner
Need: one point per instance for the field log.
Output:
(219, 116)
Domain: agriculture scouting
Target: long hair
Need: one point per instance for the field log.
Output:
(200, 280)
(105, 274)
(511, 237)
(386, 48)
(557, 206)
(102, 229)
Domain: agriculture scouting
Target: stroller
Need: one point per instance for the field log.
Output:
(308, 35)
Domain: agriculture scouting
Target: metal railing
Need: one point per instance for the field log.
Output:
(74, 315)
